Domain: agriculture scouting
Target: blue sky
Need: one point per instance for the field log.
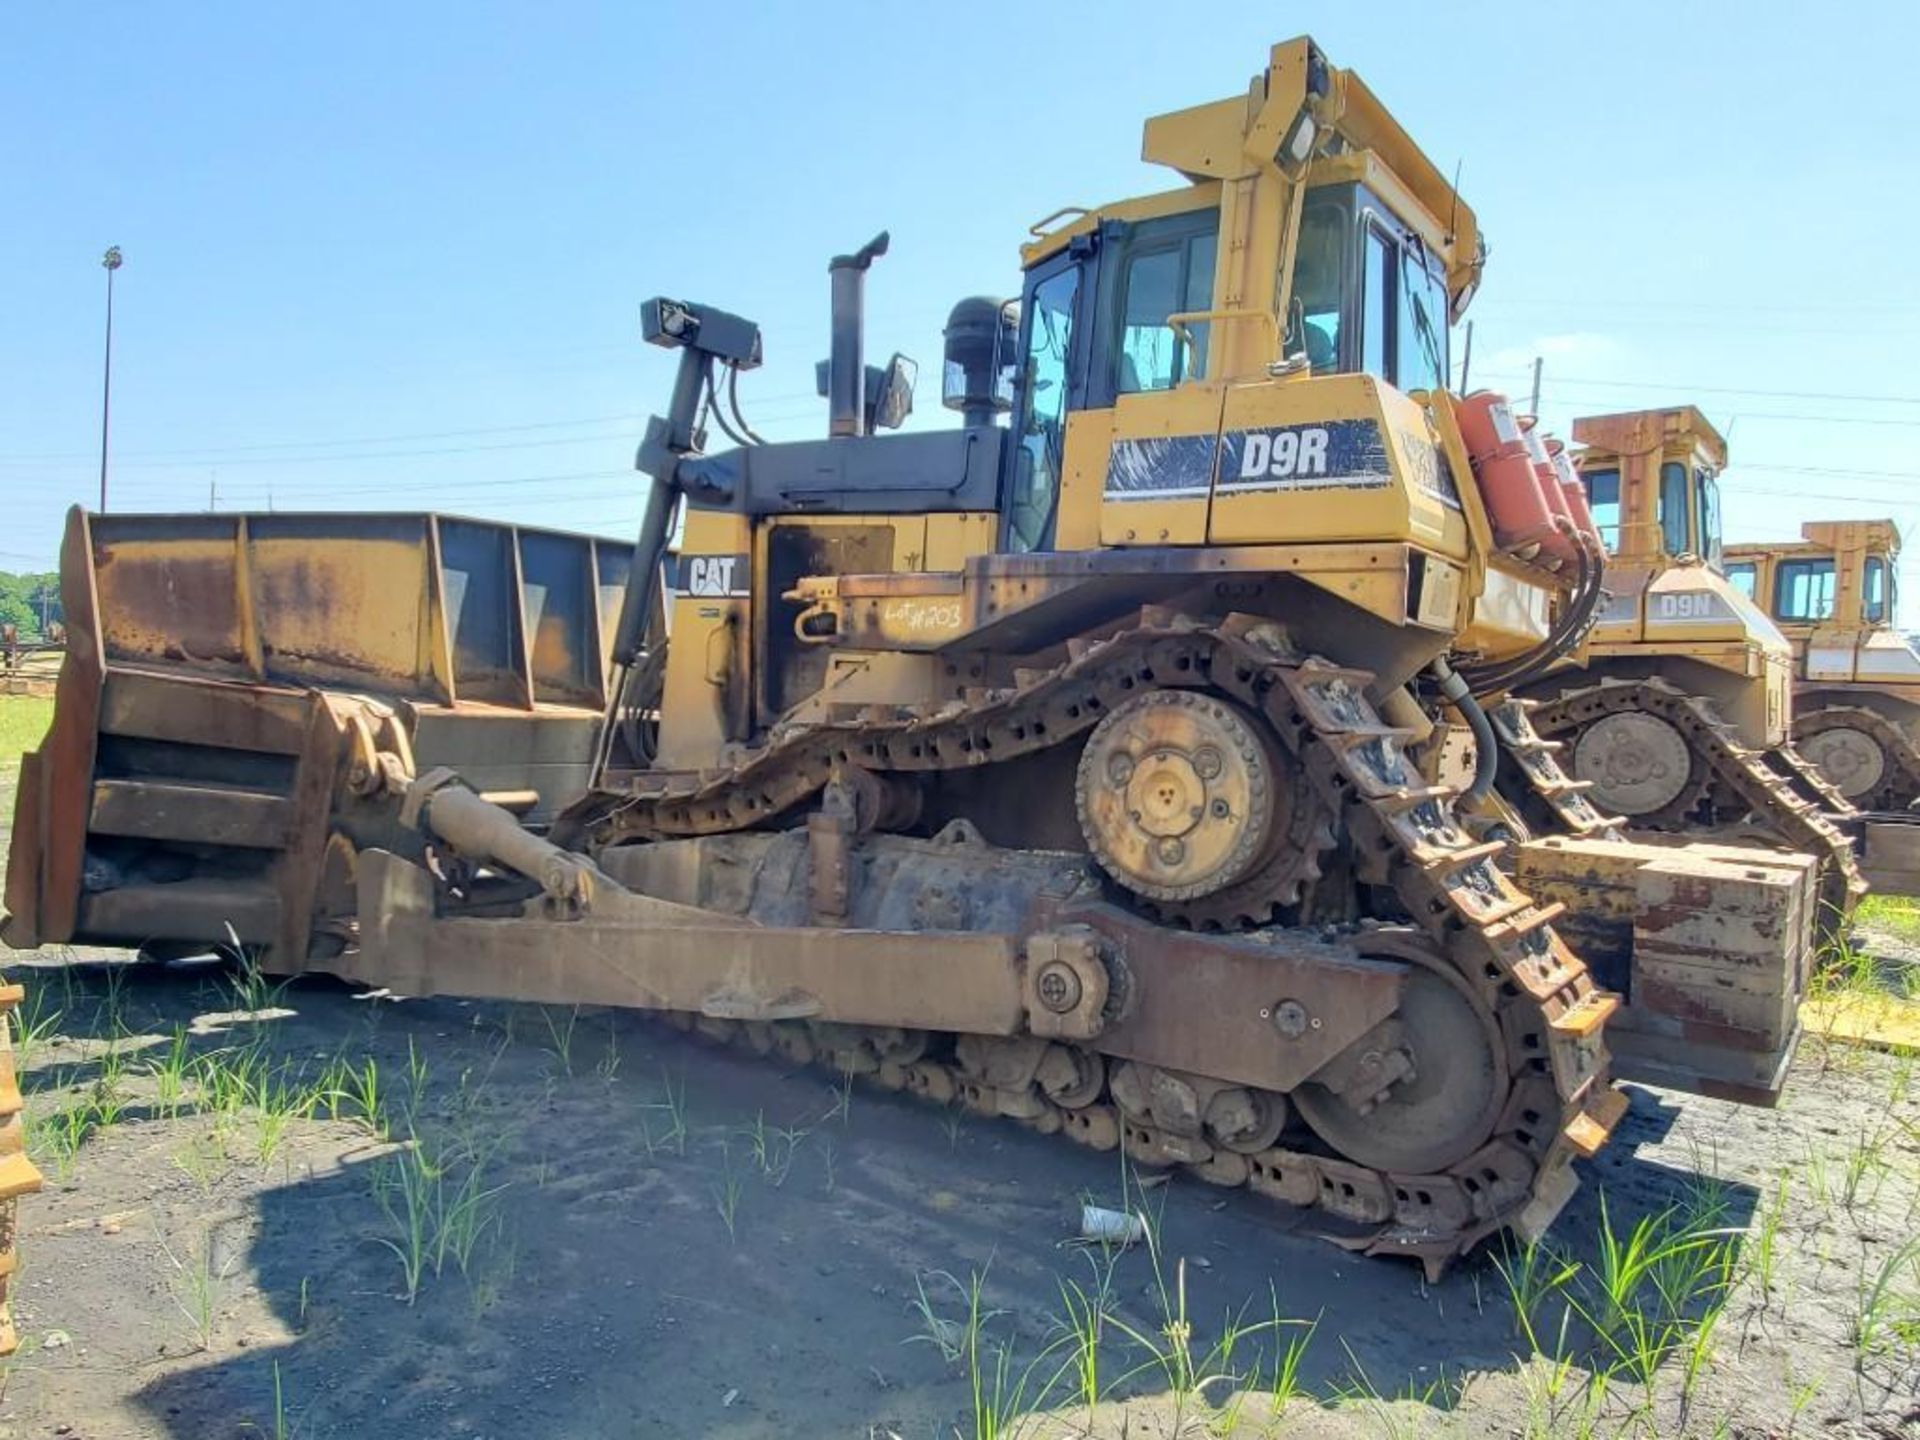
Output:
(391, 256)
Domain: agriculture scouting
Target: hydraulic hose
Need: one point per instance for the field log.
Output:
(1589, 591)
(1486, 757)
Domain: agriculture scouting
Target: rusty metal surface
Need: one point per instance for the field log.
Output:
(430, 607)
(1711, 945)
(225, 673)
(1731, 780)
(639, 956)
(1401, 831)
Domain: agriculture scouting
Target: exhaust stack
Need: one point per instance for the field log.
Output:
(847, 365)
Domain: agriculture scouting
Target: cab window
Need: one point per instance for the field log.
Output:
(1422, 360)
(1376, 305)
(1319, 282)
(1147, 346)
(1603, 498)
(1742, 575)
(1673, 508)
(1173, 277)
(1043, 411)
(1709, 489)
(1873, 593)
(1803, 590)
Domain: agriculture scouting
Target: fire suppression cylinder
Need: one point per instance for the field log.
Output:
(1575, 493)
(1529, 515)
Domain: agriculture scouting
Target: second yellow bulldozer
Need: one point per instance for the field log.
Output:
(1681, 716)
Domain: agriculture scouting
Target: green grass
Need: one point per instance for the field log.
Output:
(1652, 1293)
(23, 721)
(1895, 915)
(440, 1208)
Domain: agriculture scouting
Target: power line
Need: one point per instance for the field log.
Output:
(1743, 306)
(214, 455)
(1736, 488)
(217, 450)
(420, 487)
(1683, 389)
(1827, 470)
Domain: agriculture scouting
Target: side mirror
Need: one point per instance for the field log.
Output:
(893, 401)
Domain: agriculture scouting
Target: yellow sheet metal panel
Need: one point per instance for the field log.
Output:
(1619, 621)
(1887, 658)
(1083, 476)
(953, 539)
(1689, 604)
(1160, 466)
(709, 582)
(1336, 457)
(693, 713)
(1077, 221)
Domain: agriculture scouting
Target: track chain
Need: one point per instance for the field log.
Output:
(1743, 780)
(1402, 834)
(1899, 786)
(1537, 764)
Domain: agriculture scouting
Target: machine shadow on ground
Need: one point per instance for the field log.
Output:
(637, 1232)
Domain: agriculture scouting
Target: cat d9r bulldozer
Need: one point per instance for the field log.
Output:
(1681, 718)
(1108, 770)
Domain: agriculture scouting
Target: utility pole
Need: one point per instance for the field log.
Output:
(1533, 406)
(1466, 358)
(110, 262)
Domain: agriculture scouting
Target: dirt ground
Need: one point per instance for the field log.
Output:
(617, 1229)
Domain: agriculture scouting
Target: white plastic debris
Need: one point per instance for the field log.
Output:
(1112, 1227)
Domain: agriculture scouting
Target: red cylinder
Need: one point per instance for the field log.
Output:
(1575, 493)
(1562, 546)
(1524, 517)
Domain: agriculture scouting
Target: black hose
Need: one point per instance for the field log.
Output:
(1582, 610)
(720, 415)
(1486, 757)
(1482, 678)
(733, 402)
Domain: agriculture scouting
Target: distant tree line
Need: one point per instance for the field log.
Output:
(30, 603)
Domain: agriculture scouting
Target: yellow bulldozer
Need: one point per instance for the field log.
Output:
(1680, 717)
(1856, 678)
(1101, 762)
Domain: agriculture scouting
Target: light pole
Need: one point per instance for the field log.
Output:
(110, 262)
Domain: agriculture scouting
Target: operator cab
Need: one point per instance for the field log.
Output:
(1100, 319)
(1682, 520)
(1805, 583)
